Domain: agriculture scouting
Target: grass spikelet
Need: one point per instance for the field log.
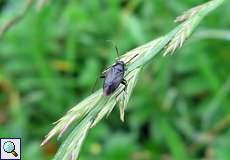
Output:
(95, 107)
(190, 19)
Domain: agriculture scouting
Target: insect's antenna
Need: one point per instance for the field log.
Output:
(132, 58)
(94, 86)
(115, 48)
(117, 51)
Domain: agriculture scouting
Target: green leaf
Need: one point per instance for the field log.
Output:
(173, 141)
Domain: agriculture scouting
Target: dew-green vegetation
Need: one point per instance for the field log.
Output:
(176, 105)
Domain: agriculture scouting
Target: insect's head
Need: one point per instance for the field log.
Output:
(120, 62)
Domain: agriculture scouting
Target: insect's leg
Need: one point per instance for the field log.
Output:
(119, 93)
(131, 70)
(124, 82)
(132, 58)
(101, 76)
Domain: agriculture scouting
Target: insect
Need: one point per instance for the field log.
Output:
(114, 76)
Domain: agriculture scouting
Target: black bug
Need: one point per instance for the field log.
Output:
(114, 76)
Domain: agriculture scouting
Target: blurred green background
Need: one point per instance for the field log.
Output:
(49, 61)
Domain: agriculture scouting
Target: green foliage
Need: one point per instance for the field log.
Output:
(50, 59)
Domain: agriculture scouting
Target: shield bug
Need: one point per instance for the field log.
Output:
(114, 76)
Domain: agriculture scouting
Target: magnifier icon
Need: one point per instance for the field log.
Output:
(9, 147)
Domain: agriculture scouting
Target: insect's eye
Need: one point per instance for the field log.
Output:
(119, 69)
